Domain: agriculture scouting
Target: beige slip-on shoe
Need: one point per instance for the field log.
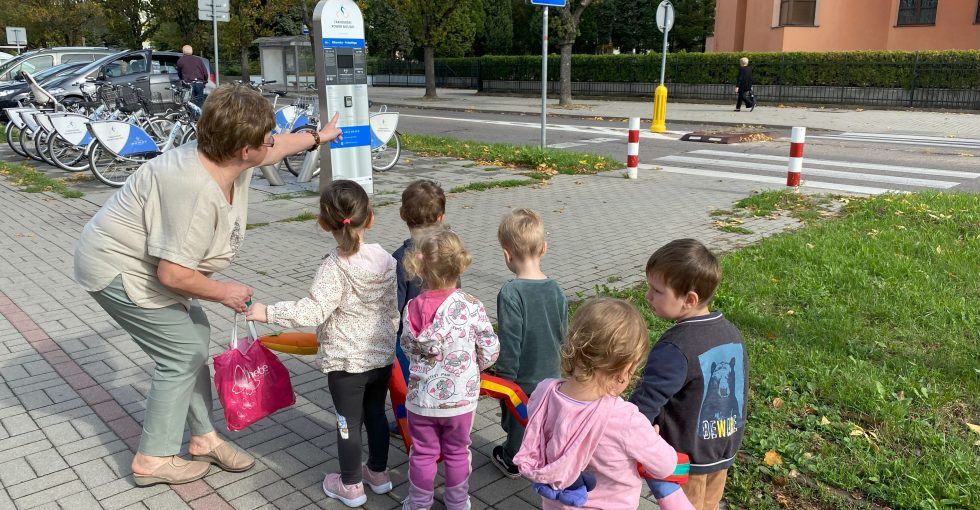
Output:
(174, 472)
(228, 457)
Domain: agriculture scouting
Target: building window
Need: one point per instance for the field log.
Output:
(797, 12)
(978, 12)
(917, 12)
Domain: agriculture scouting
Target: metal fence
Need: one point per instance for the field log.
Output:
(950, 84)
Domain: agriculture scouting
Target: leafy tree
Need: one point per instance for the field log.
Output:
(386, 31)
(130, 23)
(566, 27)
(694, 23)
(56, 22)
(497, 34)
(449, 27)
(526, 27)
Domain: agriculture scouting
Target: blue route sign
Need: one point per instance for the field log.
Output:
(549, 3)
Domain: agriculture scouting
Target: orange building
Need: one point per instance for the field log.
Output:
(845, 25)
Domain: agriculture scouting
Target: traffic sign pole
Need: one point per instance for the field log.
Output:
(214, 21)
(544, 78)
(544, 64)
(665, 21)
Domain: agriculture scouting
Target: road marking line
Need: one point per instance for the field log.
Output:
(780, 182)
(565, 145)
(846, 164)
(751, 165)
(914, 137)
(559, 127)
(898, 142)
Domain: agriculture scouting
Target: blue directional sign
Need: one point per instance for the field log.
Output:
(549, 3)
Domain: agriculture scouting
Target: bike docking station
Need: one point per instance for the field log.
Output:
(341, 82)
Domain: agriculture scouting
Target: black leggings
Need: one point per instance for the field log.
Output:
(360, 398)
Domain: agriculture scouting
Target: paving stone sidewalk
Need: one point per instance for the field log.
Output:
(73, 384)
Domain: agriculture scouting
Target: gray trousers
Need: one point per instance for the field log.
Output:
(176, 340)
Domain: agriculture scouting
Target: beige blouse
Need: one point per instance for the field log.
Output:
(170, 209)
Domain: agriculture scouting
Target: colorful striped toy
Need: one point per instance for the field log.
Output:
(680, 474)
(294, 342)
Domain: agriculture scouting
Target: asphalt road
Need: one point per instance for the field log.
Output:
(834, 162)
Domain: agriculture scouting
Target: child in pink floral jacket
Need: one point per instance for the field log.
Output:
(448, 340)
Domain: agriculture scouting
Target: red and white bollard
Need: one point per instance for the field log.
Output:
(796, 141)
(633, 149)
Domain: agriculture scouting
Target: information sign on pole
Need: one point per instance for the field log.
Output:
(549, 3)
(214, 11)
(17, 36)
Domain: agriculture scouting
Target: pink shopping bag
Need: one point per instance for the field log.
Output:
(252, 383)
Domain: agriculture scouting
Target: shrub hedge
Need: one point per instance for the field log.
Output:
(891, 69)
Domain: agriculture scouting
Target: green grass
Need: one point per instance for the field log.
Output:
(479, 186)
(250, 226)
(32, 181)
(303, 216)
(545, 161)
(734, 229)
(865, 329)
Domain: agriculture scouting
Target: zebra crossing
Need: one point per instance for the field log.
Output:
(599, 134)
(928, 141)
(822, 174)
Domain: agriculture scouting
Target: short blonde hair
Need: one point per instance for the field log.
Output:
(437, 257)
(521, 233)
(744, 61)
(606, 336)
(234, 116)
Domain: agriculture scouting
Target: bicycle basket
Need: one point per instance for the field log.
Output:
(129, 99)
(310, 102)
(107, 95)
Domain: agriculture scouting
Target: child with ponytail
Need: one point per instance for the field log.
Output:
(352, 303)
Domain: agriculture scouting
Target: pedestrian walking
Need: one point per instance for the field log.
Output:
(744, 86)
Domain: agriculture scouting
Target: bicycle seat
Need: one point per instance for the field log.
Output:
(280, 93)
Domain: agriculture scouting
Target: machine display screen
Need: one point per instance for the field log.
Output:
(345, 61)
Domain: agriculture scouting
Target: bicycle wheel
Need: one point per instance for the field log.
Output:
(13, 139)
(65, 155)
(110, 169)
(41, 147)
(27, 145)
(159, 129)
(295, 162)
(386, 156)
(190, 134)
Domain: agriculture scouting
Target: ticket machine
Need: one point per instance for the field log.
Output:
(341, 68)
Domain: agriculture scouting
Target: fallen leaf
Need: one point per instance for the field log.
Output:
(777, 403)
(807, 455)
(783, 502)
(973, 427)
(772, 458)
(790, 312)
(793, 473)
(824, 421)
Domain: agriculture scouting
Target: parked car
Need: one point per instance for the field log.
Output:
(152, 71)
(11, 92)
(38, 60)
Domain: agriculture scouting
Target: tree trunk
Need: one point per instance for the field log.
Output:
(565, 74)
(430, 73)
(243, 60)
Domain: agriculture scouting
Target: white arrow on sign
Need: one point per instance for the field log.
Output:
(219, 5)
(218, 16)
(665, 16)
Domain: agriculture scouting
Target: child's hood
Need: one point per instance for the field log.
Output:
(454, 314)
(558, 447)
(370, 272)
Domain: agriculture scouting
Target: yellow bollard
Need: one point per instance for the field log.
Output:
(659, 110)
